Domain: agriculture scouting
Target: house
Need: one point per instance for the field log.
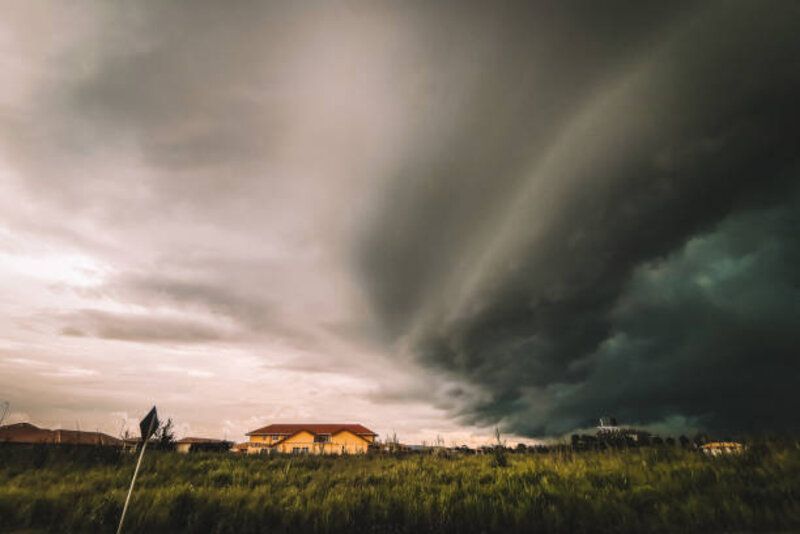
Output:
(187, 445)
(607, 423)
(609, 431)
(720, 448)
(26, 433)
(311, 439)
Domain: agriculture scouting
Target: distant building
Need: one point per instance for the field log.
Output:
(311, 439)
(718, 448)
(609, 429)
(240, 448)
(26, 433)
(187, 445)
(607, 424)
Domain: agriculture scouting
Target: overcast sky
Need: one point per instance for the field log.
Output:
(430, 218)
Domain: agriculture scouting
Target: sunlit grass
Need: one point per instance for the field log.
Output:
(655, 489)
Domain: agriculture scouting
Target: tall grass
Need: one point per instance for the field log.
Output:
(645, 490)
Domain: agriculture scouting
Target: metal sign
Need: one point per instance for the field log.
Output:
(148, 426)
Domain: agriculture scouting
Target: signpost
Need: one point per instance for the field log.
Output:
(147, 426)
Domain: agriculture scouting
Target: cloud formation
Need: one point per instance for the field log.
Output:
(429, 217)
(137, 327)
(538, 282)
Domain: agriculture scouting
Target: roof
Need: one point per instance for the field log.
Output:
(19, 426)
(314, 428)
(722, 445)
(28, 433)
(24, 433)
(198, 440)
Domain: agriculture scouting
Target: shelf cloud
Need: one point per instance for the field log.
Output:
(628, 254)
(442, 215)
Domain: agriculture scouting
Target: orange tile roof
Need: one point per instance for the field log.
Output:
(314, 428)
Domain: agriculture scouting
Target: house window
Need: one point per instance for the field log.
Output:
(295, 450)
(322, 438)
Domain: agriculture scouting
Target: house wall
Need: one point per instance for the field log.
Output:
(344, 442)
(259, 443)
(350, 443)
(267, 440)
(301, 440)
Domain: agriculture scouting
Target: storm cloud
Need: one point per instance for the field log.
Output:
(430, 217)
(639, 259)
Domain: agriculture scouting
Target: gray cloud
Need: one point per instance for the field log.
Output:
(251, 310)
(510, 277)
(138, 327)
(528, 213)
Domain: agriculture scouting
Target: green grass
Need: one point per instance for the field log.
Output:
(648, 490)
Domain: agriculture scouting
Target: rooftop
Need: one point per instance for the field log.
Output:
(314, 428)
(198, 440)
(28, 433)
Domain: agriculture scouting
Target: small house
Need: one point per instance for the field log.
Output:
(719, 448)
(187, 445)
(301, 438)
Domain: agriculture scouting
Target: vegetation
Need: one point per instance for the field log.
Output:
(653, 489)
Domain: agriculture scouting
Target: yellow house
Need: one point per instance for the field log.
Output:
(311, 439)
(717, 448)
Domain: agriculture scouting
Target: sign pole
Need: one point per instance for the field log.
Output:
(130, 490)
(147, 426)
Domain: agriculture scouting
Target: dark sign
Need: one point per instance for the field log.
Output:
(149, 424)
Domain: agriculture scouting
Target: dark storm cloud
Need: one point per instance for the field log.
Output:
(710, 332)
(523, 255)
(554, 206)
(546, 60)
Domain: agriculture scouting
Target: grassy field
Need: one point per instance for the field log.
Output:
(646, 490)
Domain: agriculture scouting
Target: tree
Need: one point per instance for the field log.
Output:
(499, 441)
(165, 434)
(499, 458)
(701, 439)
(4, 407)
(392, 443)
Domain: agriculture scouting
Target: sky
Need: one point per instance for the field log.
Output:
(431, 218)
